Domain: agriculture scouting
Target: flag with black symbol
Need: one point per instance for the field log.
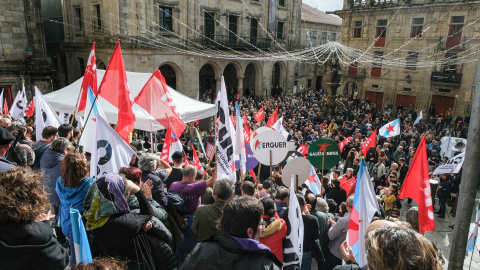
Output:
(225, 151)
(19, 105)
(44, 115)
(112, 151)
(293, 248)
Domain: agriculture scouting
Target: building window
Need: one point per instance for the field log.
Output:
(334, 37)
(78, 18)
(280, 30)
(411, 61)
(165, 18)
(313, 38)
(381, 33)
(281, 3)
(98, 17)
(324, 38)
(309, 83)
(253, 31)
(357, 29)
(417, 27)
(377, 64)
(232, 26)
(455, 31)
(209, 27)
(450, 63)
(81, 65)
(407, 89)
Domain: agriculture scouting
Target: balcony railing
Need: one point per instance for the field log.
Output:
(234, 42)
(446, 78)
(374, 3)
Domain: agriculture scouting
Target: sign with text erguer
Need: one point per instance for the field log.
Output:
(324, 153)
(267, 141)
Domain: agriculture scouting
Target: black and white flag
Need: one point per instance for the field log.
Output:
(225, 150)
(44, 115)
(19, 105)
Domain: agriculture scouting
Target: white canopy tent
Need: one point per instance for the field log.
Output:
(65, 99)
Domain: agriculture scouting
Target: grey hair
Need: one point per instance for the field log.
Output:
(147, 162)
(322, 205)
(350, 170)
(189, 170)
(224, 188)
(350, 201)
(60, 144)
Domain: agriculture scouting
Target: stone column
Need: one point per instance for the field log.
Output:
(240, 85)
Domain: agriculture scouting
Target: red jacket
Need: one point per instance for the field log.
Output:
(273, 235)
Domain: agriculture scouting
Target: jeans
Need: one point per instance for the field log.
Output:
(306, 260)
(183, 249)
(442, 203)
(73, 260)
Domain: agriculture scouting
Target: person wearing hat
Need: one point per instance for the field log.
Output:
(177, 169)
(5, 139)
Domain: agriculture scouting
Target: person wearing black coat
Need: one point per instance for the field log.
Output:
(337, 193)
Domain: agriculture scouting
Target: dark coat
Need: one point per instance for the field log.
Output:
(30, 246)
(224, 252)
(50, 164)
(337, 194)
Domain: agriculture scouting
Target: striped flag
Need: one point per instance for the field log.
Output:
(313, 182)
(293, 251)
(364, 207)
(391, 129)
(472, 237)
(80, 239)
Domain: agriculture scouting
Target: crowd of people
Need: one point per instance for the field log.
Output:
(153, 214)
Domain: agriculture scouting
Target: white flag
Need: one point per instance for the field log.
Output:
(294, 241)
(419, 118)
(44, 115)
(278, 126)
(452, 165)
(89, 126)
(112, 151)
(240, 141)
(391, 129)
(447, 147)
(1, 100)
(80, 121)
(225, 151)
(19, 105)
(472, 237)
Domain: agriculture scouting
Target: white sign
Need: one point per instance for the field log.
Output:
(268, 141)
(255, 134)
(299, 166)
(453, 165)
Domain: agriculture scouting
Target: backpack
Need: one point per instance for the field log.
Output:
(38, 156)
(177, 207)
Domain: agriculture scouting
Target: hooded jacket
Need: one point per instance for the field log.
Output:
(273, 235)
(50, 164)
(70, 198)
(29, 246)
(228, 252)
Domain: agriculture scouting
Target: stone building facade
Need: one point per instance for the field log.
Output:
(421, 28)
(159, 33)
(22, 49)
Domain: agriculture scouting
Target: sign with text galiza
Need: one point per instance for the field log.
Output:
(453, 165)
(267, 141)
(324, 153)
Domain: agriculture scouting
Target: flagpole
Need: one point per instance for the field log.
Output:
(86, 120)
(258, 173)
(76, 106)
(151, 136)
(271, 178)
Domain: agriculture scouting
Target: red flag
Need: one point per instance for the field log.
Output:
(417, 187)
(273, 118)
(185, 160)
(5, 107)
(114, 89)
(30, 109)
(246, 134)
(238, 95)
(89, 79)
(196, 160)
(260, 115)
(302, 149)
(244, 120)
(348, 185)
(233, 118)
(343, 143)
(370, 142)
(155, 98)
(253, 175)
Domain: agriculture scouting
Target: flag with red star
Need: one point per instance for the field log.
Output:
(391, 129)
(313, 182)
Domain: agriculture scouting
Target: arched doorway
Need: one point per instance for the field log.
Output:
(101, 65)
(231, 78)
(279, 73)
(206, 78)
(250, 80)
(350, 89)
(169, 74)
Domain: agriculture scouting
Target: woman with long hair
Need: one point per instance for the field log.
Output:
(72, 186)
(390, 198)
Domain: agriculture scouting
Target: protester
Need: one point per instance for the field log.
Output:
(337, 193)
(241, 222)
(26, 237)
(337, 234)
(177, 169)
(275, 229)
(266, 187)
(281, 199)
(5, 139)
(48, 135)
(148, 164)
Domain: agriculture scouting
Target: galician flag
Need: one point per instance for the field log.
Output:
(313, 182)
(446, 147)
(44, 115)
(391, 129)
(80, 239)
(112, 151)
(86, 141)
(364, 207)
(19, 105)
(278, 126)
(293, 251)
(240, 141)
(225, 145)
(472, 237)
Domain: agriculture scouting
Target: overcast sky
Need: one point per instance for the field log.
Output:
(325, 5)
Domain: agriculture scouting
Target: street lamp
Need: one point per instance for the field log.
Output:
(408, 78)
(29, 51)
